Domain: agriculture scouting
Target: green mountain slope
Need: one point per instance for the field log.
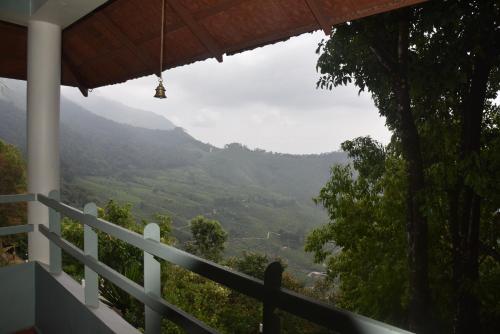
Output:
(262, 199)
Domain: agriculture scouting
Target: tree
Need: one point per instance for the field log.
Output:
(208, 238)
(196, 295)
(12, 181)
(431, 71)
(364, 244)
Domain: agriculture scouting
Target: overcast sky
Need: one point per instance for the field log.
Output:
(265, 98)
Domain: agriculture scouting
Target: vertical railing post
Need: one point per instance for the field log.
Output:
(152, 280)
(90, 249)
(55, 260)
(272, 283)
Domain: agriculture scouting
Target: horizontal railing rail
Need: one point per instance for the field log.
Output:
(217, 273)
(274, 297)
(15, 229)
(5, 199)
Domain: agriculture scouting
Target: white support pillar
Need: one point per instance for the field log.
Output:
(43, 103)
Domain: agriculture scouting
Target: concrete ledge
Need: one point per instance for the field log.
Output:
(17, 297)
(31, 297)
(60, 308)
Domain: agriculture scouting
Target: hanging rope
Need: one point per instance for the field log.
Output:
(160, 90)
(161, 37)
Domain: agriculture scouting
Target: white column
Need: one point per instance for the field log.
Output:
(44, 79)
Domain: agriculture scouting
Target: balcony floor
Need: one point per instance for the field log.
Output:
(27, 331)
(35, 301)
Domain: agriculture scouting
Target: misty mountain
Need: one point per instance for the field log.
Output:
(251, 192)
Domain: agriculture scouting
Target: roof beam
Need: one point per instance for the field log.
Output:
(144, 57)
(319, 16)
(200, 32)
(74, 74)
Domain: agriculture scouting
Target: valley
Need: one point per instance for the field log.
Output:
(262, 199)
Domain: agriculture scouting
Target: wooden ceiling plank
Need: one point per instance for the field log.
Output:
(200, 32)
(217, 8)
(143, 56)
(319, 16)
(199, 15)
(73, 73)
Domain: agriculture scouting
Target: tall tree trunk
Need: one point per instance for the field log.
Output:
(420, 319)
(465, 224)
(420, 304)
(466, 219)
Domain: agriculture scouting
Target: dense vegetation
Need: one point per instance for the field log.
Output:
(419, 228)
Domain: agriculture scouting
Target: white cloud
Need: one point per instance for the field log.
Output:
(205, 118)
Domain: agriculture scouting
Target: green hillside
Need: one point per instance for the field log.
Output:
(262, 199)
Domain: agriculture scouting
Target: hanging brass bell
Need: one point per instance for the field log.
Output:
(160, 91)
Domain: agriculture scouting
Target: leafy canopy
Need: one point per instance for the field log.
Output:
(208, 238)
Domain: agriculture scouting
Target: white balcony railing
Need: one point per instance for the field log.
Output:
(268, 291)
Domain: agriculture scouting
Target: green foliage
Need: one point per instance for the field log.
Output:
(246, 316)
(200, 297)
(209, 238)
(364, 244)
(368, 156)
(119, 255)
(252, 264)
(12, 181)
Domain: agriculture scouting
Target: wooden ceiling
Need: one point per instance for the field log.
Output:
(121, 39)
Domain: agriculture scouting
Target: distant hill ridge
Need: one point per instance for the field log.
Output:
(94, 145)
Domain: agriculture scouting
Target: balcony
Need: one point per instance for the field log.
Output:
(43, 297)
(78, 43)
(33, 298)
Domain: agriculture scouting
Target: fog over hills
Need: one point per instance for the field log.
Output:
(121, 113)
(251, 192)
(14, 91)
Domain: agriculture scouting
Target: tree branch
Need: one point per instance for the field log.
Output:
(385, 60)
